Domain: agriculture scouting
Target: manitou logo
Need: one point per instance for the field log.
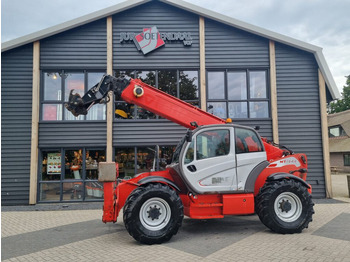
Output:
(285, 162)
(150, 39)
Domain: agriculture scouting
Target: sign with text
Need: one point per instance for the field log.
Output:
(151, 39)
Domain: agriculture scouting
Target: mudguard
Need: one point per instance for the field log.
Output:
(151, 179)
(280, 176)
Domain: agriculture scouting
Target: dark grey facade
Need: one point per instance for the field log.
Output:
(299, 110)
(82, 48)
(16, 116)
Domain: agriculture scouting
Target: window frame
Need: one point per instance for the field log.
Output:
(135, 148)
(64, 180)
(346, 158)
(60, 73)
(248, 99)
(178, 70)
(340, 129)
(248, 152)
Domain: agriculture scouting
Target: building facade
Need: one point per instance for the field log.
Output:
(227, 67)
(339, 141)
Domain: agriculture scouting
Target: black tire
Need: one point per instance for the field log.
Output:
(284, 206)
(153, 214)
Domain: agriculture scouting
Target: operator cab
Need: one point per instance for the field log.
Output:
(219, 158)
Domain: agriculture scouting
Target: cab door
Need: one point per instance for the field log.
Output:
(208, 163)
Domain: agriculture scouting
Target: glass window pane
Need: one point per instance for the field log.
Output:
(346, 160)
(247, 141)
(69, 116)
(97, 112)
(188, 81)
(144, 114)
(125, 157)
(73, 164)
(257, 84)
(93, 190)
(148, 77)
(49, 191)
(128, 73)
(259, 109)
(51, 166)
(212, 143)
(124, 110)
(72, 191)
(165, 156)
(52, 112)
(167, 82)
(217, 108)
(93, 158)
(94, 78)
(237, 110)
(216, 85)
(146, 159)
(52, 86)
(237, 85)
(74, 81)
(189, 156)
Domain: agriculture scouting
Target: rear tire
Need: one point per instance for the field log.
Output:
(285, 206)
(153, 214)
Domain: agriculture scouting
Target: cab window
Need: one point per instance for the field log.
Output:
(247, 141)
(189, 156)
(212, 143)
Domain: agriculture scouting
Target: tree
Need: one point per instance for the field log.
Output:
(343, 104)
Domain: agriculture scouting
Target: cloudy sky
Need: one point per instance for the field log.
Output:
(325, 23)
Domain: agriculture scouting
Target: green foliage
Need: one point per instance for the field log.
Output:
(343, 104)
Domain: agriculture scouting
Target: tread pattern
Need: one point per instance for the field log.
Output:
(132, 208)
(265, 206)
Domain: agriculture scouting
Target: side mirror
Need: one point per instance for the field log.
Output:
(189, 136)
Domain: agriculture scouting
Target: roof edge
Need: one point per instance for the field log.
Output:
(82, 20)
(243, 25)
(316, 50)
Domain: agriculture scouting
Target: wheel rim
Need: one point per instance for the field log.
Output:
(155, 214)
(288, 207)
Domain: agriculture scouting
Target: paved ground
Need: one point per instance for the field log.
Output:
(76, 233)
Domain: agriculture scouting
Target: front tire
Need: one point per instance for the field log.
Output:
(285, 206)
(153, 214)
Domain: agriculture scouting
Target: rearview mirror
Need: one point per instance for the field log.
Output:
(189, 136)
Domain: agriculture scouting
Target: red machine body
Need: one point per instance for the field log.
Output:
(204, 206)
(155, 202)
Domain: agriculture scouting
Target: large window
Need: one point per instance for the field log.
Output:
(335, 131)
(179, 83)
(56, 88)
(238, 94)
(136, 160)
(347, 160)
(70, 175)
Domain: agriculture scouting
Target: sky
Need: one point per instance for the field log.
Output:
(324, 23)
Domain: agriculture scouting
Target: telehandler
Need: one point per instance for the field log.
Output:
(218, 169)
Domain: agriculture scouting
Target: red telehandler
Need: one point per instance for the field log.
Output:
(217, 169)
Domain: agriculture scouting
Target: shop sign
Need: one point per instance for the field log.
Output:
(151, 39)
